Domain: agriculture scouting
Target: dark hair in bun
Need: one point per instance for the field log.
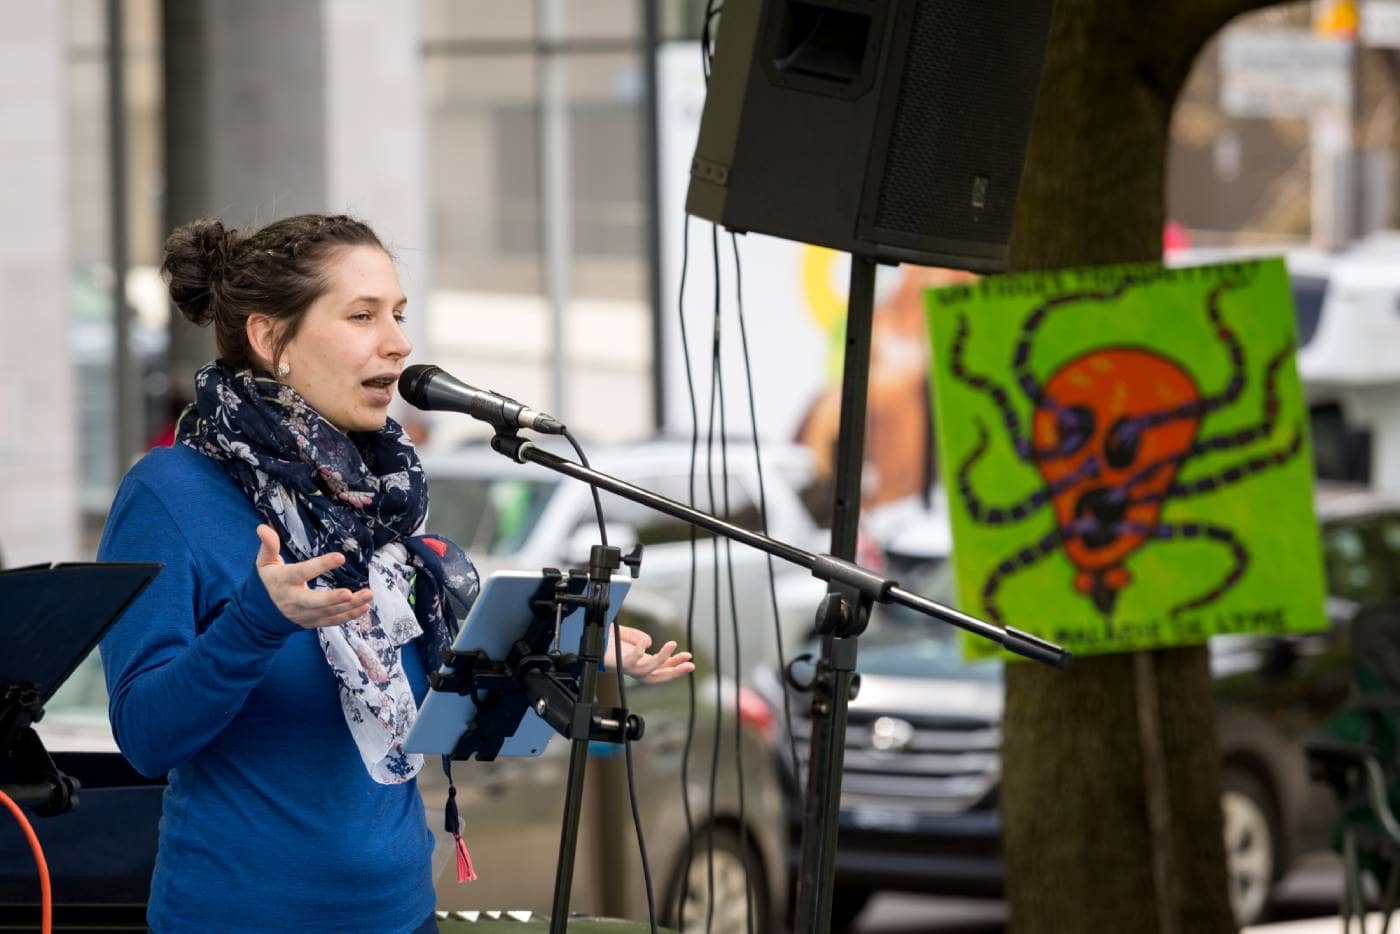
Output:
(222, 275)
(196, 256)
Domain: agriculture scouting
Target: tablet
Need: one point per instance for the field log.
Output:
(500, 616)
(51, 617)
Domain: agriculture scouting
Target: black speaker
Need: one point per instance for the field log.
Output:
(893, 129)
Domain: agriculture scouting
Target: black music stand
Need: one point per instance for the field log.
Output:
(50, 618)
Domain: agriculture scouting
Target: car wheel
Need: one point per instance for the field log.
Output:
(691, 899)
(1251, 844)
(846, 905)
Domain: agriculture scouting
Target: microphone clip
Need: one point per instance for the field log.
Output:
(508, 442)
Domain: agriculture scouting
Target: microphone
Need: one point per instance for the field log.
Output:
(432, 388)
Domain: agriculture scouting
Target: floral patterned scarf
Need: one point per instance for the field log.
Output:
(363, 494)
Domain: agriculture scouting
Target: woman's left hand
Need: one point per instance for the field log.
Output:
(656, 667)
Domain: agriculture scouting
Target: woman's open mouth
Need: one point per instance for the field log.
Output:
(381, 388)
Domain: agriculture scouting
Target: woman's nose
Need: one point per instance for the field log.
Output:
(397, 343)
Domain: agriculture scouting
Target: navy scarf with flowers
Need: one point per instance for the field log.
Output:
(362, 494)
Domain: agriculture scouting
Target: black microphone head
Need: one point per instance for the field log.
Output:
(413, 384)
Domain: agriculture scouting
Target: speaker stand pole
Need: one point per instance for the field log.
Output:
(832, 688)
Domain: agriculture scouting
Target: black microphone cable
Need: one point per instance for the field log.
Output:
(622, 702)
(683, 892)
(763, 524)
(715, 605)
(733, 599)
(712, 9)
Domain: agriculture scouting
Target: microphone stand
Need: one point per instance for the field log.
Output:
(841, 617)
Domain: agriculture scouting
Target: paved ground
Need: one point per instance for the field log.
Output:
(1307, 905)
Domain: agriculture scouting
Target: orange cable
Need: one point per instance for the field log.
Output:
(45, 895)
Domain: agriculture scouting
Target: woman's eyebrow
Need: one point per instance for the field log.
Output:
(374, 300)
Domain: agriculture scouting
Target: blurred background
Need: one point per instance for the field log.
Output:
(526, 162)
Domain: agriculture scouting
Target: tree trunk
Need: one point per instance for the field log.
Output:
(1111, 787)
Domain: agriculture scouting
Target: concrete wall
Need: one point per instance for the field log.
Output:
(38, 496)
(376, 158)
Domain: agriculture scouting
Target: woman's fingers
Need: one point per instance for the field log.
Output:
(676, 666)
(658, 667)
(287, 585)
(640, 664)
(332, 601)
(269, 547)
(634, 636)
(313, 610)
(312, 568)
(340, 618)
(659, 657)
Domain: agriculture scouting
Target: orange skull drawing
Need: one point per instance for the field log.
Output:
(1110, 431)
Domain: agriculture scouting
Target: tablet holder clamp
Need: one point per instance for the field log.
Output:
(36, 782)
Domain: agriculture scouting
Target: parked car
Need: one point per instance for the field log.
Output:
(101, 855)
(512, 808)
(525, 517)
(919, 790)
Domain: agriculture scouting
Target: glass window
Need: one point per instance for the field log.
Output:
(1388, 553)
(477, 20)
(488, 515)
(602, 19)
(681, 19)
(1362, 561)
(484, 171)
(484, 83)
(1308, 292)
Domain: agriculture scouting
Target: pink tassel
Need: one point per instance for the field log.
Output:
(465, 872)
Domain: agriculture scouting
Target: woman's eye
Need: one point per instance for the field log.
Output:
(361, 316)
(401, 319)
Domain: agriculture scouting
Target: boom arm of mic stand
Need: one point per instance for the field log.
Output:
(865, 582)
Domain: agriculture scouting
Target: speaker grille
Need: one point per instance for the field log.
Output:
(962, 117)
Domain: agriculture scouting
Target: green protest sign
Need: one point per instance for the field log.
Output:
(1125, 453)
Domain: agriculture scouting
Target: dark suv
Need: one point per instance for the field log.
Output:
(922, 763)
(922, 759)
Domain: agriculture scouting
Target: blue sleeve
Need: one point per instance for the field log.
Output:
(174, 684)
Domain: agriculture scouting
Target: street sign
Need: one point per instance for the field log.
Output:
(1284, 73)
(1380, 24)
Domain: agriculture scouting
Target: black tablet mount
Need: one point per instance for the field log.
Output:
(559, 687)
(536, 674)
(30, 777)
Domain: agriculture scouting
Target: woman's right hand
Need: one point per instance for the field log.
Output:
(287, 586)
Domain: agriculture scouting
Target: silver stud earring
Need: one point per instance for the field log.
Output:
(283, 370)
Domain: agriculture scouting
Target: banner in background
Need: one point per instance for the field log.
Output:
(1126, 455)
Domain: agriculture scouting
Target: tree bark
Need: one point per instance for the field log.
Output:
(1111, 787)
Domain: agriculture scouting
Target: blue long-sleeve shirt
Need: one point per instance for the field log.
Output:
(271, 821)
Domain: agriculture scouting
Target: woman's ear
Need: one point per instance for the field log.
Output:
(262, 333)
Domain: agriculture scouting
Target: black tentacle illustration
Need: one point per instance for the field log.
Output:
(1260, 429)
(1237, 472)
(1021, 358)
(1216, 533)
(1001, 515)
(984, 384)
(1018, 562)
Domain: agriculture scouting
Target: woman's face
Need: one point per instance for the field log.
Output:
(347, 355)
